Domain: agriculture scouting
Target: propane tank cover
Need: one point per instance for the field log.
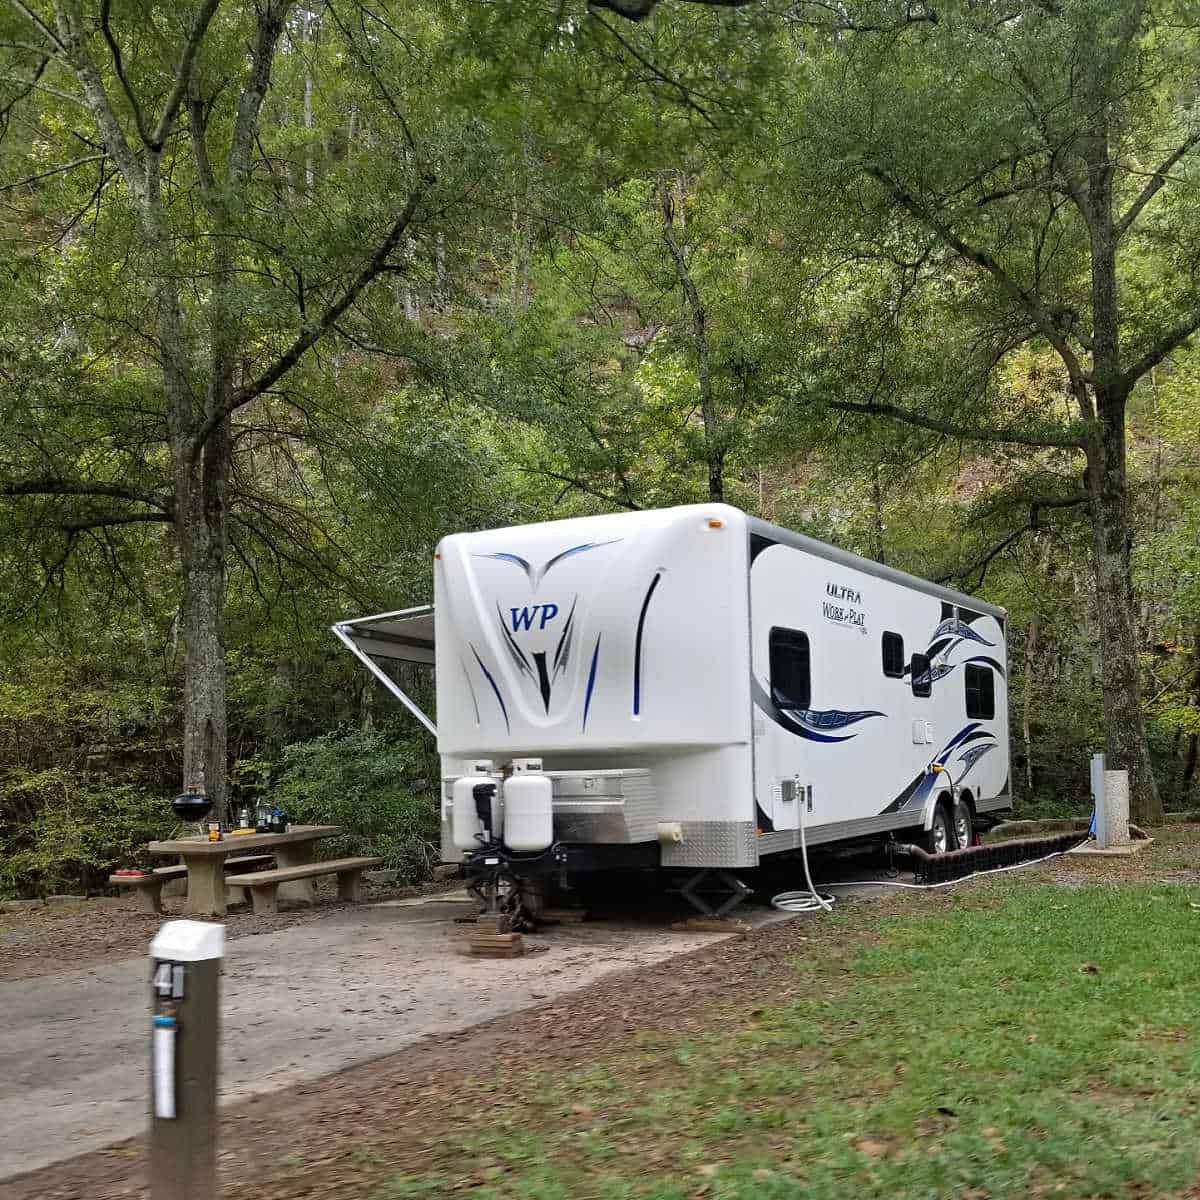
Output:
(528, 807)
(466, 826)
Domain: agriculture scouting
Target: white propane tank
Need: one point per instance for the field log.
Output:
(528, 807)
(466, 825)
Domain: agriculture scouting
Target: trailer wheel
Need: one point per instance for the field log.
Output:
(964, 824)
(939, 837)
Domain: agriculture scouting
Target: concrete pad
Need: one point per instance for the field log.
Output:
(296, 1004)
(1091, 850)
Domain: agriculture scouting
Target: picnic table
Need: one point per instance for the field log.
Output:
(205, 862)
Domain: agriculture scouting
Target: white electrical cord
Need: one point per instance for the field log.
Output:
(1033, 862)
(813, 901)
(802, 902)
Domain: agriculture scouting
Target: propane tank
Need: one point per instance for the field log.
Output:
(528, 807)
(467, 827)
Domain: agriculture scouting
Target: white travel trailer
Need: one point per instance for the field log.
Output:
(694, 688)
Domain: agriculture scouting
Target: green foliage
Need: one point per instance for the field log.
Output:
(61, 832)
(378, 788)
(531, 353)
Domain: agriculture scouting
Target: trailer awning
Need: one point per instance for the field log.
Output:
(402, 636)
(406, 635)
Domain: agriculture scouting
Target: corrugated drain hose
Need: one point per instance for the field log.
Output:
(814, 901)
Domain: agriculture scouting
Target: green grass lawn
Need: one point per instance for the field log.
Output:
(1015, 1039)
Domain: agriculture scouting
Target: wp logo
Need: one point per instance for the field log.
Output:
(524, 618)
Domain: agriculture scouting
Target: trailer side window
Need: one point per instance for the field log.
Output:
(893, 656)
(981, 692)
(922, 675)
(791, 672)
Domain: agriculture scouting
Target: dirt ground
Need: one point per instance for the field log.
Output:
(344, 1135)
(62, 937)
(309, 1141)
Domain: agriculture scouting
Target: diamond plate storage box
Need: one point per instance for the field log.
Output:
(611, 806)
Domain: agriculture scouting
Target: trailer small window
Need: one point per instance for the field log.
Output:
(791, 671)
(893, 656)
(922, 675)
(981, 692)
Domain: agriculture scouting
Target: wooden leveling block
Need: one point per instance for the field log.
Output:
(493, 937)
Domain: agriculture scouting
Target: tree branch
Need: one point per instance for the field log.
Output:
(580, 486)
(80, 487)
(39, 25)
(183, 73)
(250, 102)
(684, 93)
(105, 520)
(78, 162)
(99, 104)
(1155, 183)
(313, 334)
(1014, 436)
(118, 62)
(1026, 299)
(981, 565)
(639, 10)
(1171, 340)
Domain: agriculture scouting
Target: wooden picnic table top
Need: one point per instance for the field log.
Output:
(201, 847)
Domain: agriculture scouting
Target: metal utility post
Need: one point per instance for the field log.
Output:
(1098, 802)
(185, 993)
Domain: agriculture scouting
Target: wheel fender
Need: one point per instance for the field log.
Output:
(936, 798)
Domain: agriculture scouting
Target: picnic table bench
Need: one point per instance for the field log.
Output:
(148, 887)
(205, 864)
(263, 885)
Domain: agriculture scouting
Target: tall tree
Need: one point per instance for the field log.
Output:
(188, 290)
(1019, 174)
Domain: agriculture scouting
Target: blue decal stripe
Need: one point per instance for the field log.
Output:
(467, 676)
(958, 737)
(535, 576)
(991, 662)
(784, 720)
(591, 683)
(573, 550)
(831, 718)
(563, 650)
(518, 656)
(495, 688)
(637, 646)
(512, 558)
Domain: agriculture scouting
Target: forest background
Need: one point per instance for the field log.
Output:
(289, 291)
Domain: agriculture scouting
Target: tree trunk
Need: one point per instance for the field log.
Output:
(1031, 645)
(878, 548)
(312, 25)
(1189, 761)
(1125, 727)
(201, 527)
(713, 451)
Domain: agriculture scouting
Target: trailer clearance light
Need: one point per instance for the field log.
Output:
(715, 524)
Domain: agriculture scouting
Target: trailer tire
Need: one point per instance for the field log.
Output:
(964, 823)
(939, 837)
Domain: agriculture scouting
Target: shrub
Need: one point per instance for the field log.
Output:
(374, 786)
(61, 833)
